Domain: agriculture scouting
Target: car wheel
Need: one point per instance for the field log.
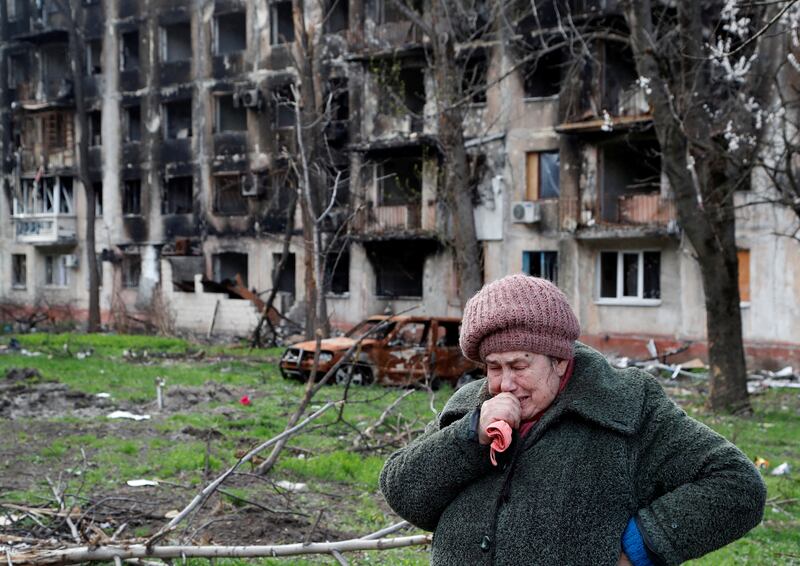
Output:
(358, 374)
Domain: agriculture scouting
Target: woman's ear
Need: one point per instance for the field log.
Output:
(561, 367)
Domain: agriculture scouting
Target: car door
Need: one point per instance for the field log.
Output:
(405, 360)
(448, 362)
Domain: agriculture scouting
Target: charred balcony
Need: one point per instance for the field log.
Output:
(36, 22)
(43, 211)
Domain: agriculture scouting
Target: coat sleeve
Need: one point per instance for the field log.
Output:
(420, 480)
(699, 492)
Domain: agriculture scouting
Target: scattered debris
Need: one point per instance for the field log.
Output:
(142, 483)
(783, 470)
(761, 463)
(695, 363)
(295, 487)
(128, 415)
(103, 395)
(760, 381)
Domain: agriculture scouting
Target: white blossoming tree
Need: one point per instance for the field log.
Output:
(709, 69)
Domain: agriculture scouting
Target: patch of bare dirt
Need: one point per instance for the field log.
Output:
(24, 393)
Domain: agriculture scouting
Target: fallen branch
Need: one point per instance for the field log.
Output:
(210, 488)
(371, 429)
(110, 553)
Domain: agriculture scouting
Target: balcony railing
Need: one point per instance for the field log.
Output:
(398, 218)
(45, 229)
(646, 209)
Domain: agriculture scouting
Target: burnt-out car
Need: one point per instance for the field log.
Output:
(399, 350)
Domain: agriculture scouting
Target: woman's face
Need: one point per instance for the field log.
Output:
(532, 378)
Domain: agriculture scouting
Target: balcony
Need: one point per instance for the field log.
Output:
(408, 219)
(646, 209)
(638, 215)
(45, 229)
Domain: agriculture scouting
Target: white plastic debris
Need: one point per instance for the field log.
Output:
(103, 395)
(171, 514)
(788, 371)
(142, 483)
(676, 372)
(651, 348)
(291, 486)
(128, 415)
(783, 470)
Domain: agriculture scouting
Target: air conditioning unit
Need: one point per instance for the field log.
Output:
(248, 98)
(71, 260)
(525, 212)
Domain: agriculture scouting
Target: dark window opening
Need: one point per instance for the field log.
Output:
(473, 81)
(399, 268)
(131, 270)
(56, 127)
(178, 116)
(413, 81)
(230, 117)
(231, 33)
(337, 272)
(337, 16)
(131, 197)
(228, 265)
(18, 70)
(133, 123)
(177, 42)
(15, 9)
(177, 195)
(652, 275)
(608, 274)
(94, 56)
(621, 93)
(629, 167)
(542, 75)
(541, 264)
(447, 334)
(400, 181)
(228, 198)
(130, 50)
(284, 107)
(282, 24)
(98, 198)
(286, 277)
(95, 120)
(19, 271)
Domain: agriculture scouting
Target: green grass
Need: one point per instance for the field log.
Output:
(149, 450)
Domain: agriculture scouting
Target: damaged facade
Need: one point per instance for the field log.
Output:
(192, 130)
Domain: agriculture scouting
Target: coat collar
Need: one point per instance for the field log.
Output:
(596, 392)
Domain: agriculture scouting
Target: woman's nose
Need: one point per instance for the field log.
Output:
(507, 383)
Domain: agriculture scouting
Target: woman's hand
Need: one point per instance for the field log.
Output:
(501, 407)
(623, 560)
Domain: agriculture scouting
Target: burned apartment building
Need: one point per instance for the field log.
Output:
(191, 122)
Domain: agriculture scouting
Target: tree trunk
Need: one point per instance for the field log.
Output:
(703, 193)
(455, 178)
(77, 50)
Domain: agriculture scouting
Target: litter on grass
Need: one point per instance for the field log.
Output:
(142, 483)
(128, 415)
(291, 486)
(783, 470)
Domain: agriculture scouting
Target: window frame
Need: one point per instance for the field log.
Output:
(621, 300)
(57, 265)
(22, 281)
(533, 167)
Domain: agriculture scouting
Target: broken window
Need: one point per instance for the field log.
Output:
(541, 264)
(286, 277)
(541, 175)
(284, 107)
(388, 11)
(743, 257)
(337, 272)
(17, 69)
(15, 9)
(130, 50)
(94, 56)
(231, 33)
(56, 271)
(178, 119)
(399, 268)
(95, 120)
(630, 275)
(131, 270)
(473, 81)
(400, 181)
(176, 42)
(337, 16)
(282, 24)
(228, 198)
(413, 81)
(19, 271)
(50, 195)
(131, 197)
(542, 75)
(230, 117)
(447, 334)
(629, 167)
(621, 91)
(178, 196)
(228, 265)
(132, 116)
(411, 335)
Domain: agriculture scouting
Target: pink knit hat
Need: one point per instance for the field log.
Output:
(518, 313)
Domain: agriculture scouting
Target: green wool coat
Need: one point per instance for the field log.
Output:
(612, 446)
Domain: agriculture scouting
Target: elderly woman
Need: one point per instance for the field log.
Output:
(602, 467)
